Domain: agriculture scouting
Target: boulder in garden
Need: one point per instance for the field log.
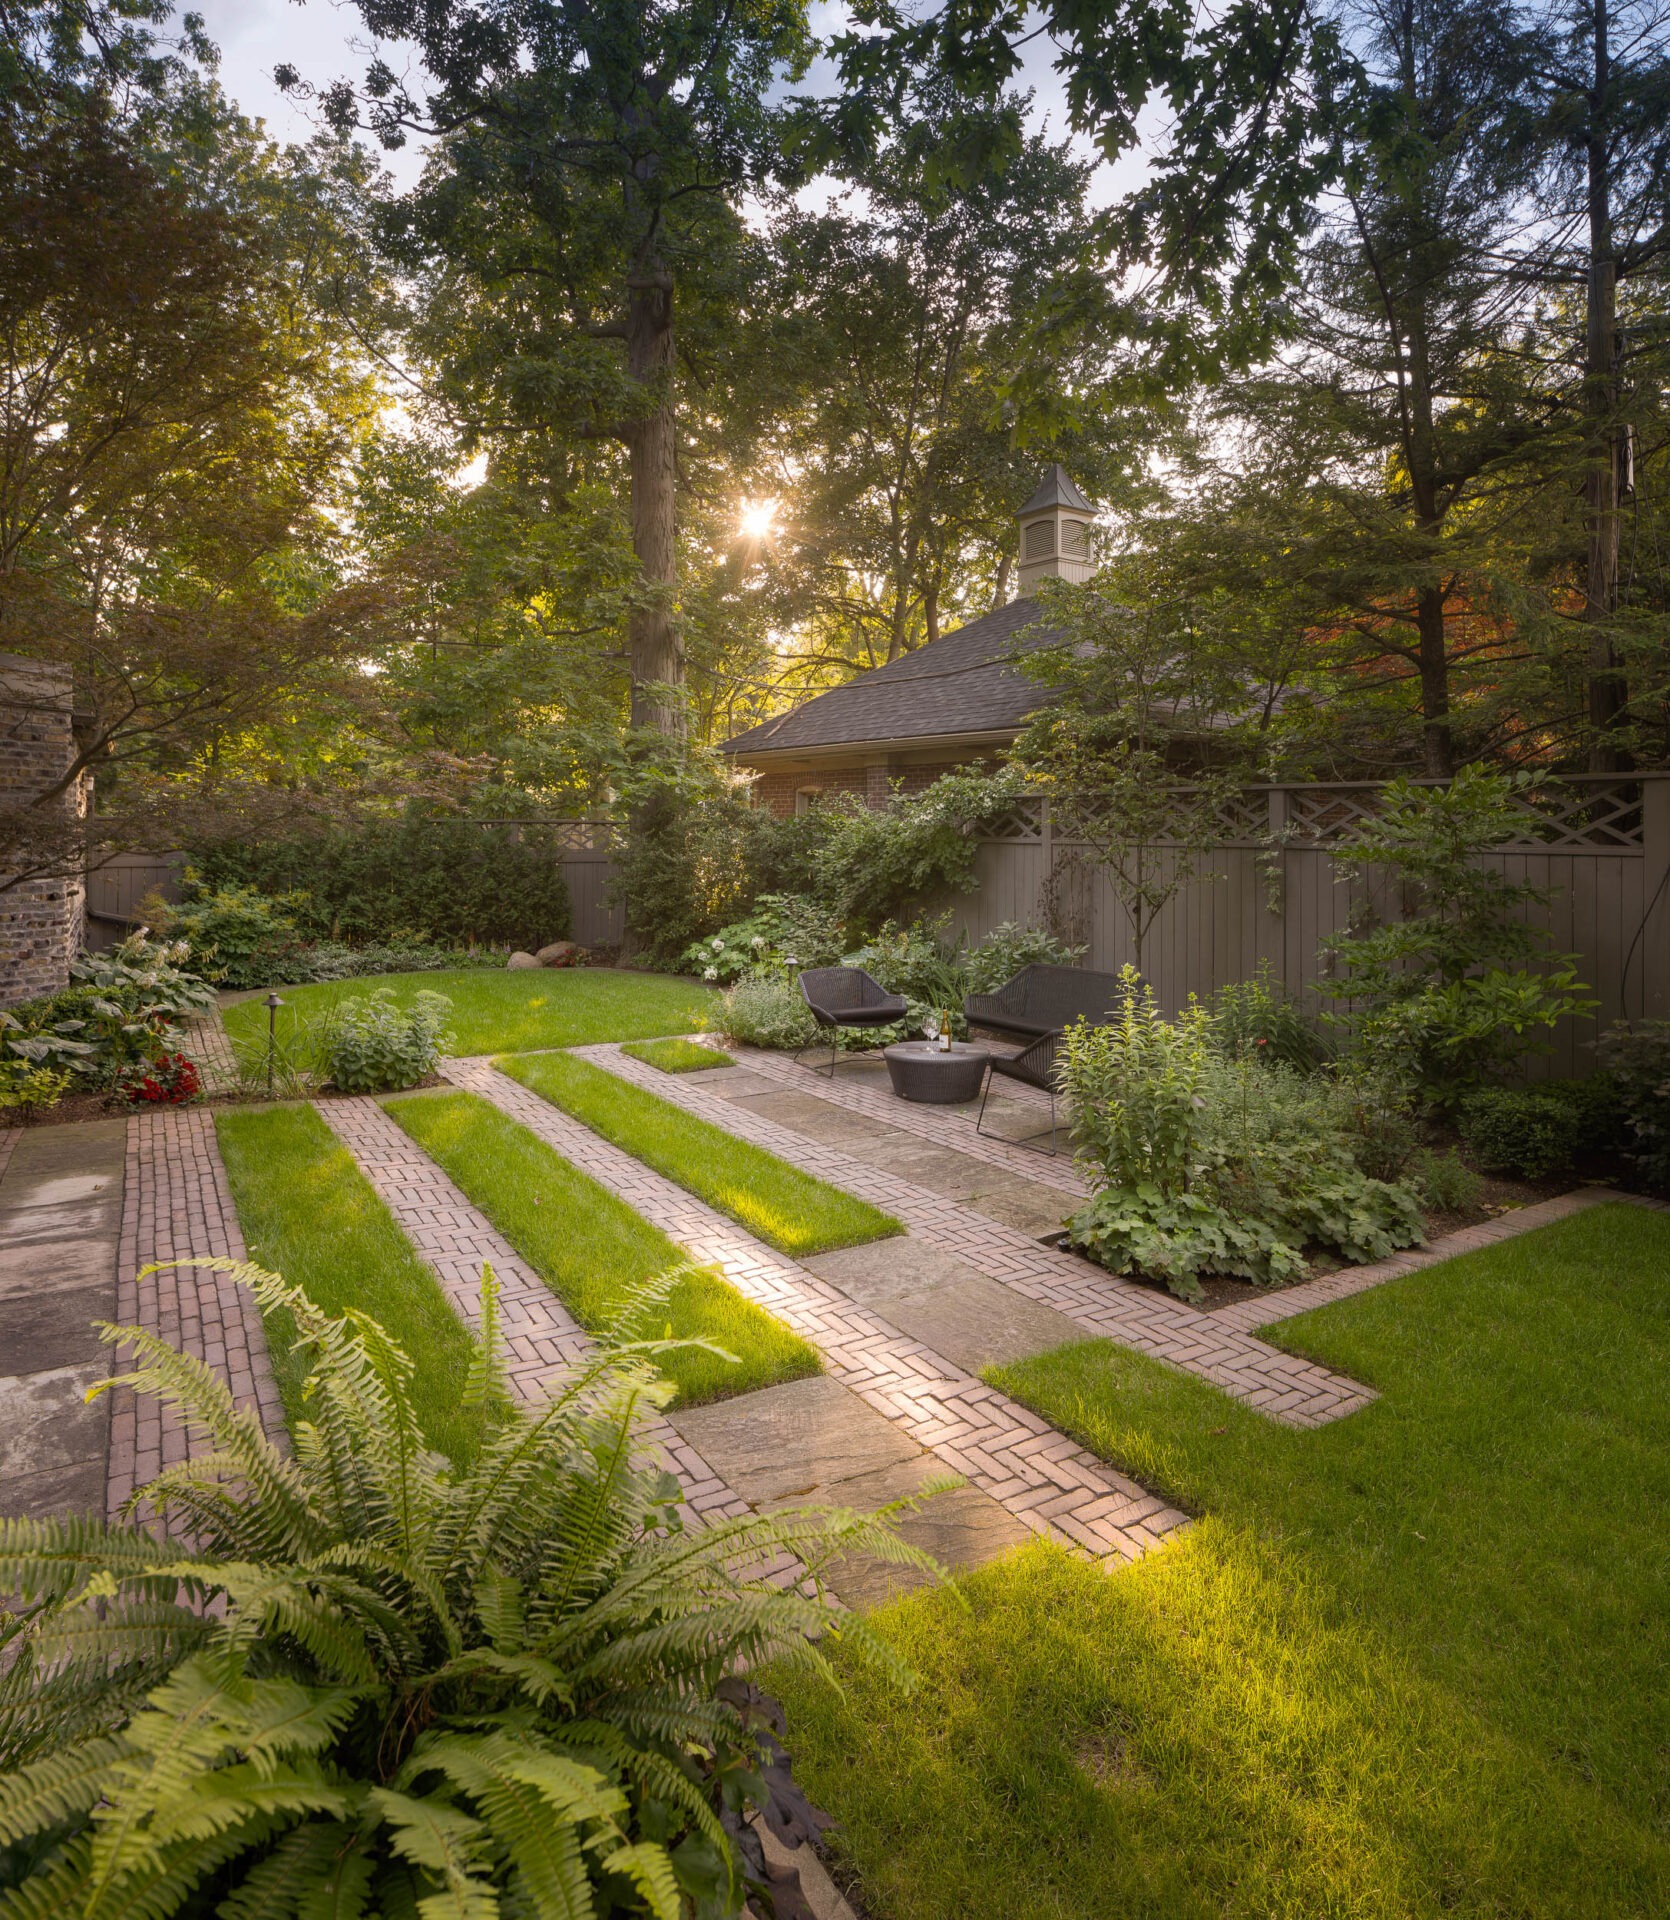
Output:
(520, 962)
(560, 953)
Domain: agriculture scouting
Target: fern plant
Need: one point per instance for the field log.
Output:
(354, 1679)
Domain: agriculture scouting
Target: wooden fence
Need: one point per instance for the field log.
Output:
(1269, 891)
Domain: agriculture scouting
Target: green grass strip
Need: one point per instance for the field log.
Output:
(777, 1203)
(308, 1213)
(677, 1056)
(590, 1248)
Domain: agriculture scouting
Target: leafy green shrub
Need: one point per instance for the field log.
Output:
(374, 1045)
(1258, 1019)
(1204, 1165)
(152, 977)
(1377, 1118)
(1008, 948)
(1442, 996)
(1522, 1130)
(875, 862)
(326, 960)
(239, 936)
(764, 1011)
(376, 1683)
(783, 930)
(1541, 1129)
(1637, 1062)
(1443, 1181)
(441, 878)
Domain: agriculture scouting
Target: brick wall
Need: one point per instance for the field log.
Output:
(871, 781)
(40, 920)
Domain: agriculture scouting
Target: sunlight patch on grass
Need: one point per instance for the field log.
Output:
(778, 1203)
(590, 1248)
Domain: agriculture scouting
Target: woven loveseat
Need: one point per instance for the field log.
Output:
(1037, 1005)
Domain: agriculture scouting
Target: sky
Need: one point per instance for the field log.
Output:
(326, 40)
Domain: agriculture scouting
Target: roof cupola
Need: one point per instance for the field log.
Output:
(1055, 532)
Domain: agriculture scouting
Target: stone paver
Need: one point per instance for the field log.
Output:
(542, 1339)
(177, 1206)
(1294, 1391)
(869, 1095)
(1045, 1480)
(60, 1217)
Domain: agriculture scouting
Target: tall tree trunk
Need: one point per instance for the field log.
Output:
(1000, 591)
(1437, 747)
(655, 649)
(1607, 691)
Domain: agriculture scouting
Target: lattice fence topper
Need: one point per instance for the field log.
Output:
(1576, 811)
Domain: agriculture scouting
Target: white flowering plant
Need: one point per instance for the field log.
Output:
(784, 931)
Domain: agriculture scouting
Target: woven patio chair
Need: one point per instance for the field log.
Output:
(1037, 1006)
(846, 997)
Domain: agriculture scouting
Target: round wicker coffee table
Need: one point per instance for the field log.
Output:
(921, 1072)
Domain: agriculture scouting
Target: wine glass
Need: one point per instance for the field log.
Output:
(930, 1027)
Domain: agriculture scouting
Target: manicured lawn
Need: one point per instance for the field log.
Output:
(309, 1213)
(591, 1248)
(781, 1205)
(1416, 1663)
(677, 1056)
(501, 1012)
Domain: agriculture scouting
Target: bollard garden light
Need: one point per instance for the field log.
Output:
(273, 1005)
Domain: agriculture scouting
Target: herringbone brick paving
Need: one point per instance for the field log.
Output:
(176, 1206)
(542, 1339)
(1046, 1480)
(1292, 1390)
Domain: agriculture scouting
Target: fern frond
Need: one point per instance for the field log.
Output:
(485, 1382)
(60, 1787)
(298, 1873)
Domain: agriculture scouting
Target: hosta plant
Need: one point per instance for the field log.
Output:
(355, 1679)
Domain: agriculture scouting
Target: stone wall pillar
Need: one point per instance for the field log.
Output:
(40, 920)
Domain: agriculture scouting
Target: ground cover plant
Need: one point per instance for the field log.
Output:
(593, 1251)
(307, 1211)
(677, 1056)
(1411, 1664)
(788, 1209)
(495, 1012)
(369, 1683)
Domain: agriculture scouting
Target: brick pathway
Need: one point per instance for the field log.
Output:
(1294, 1391)
(1047, 1481)
(542, 1340)
(176, 1206)
(206, 1042)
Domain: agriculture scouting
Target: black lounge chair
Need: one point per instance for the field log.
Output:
(1037, 1006)
(847, 997)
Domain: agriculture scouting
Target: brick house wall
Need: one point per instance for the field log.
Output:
(871, 781)
(41, 921)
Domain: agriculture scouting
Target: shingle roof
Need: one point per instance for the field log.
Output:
(960, 684)
(1056, 489)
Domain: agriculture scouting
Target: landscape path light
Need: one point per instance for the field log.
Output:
(273, 1005)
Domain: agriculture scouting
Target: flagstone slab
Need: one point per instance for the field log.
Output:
(814, 1443)
(51, 1266)
(54, 1327)
(1023, 1205)
(46, 1423)
(945, 1303)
